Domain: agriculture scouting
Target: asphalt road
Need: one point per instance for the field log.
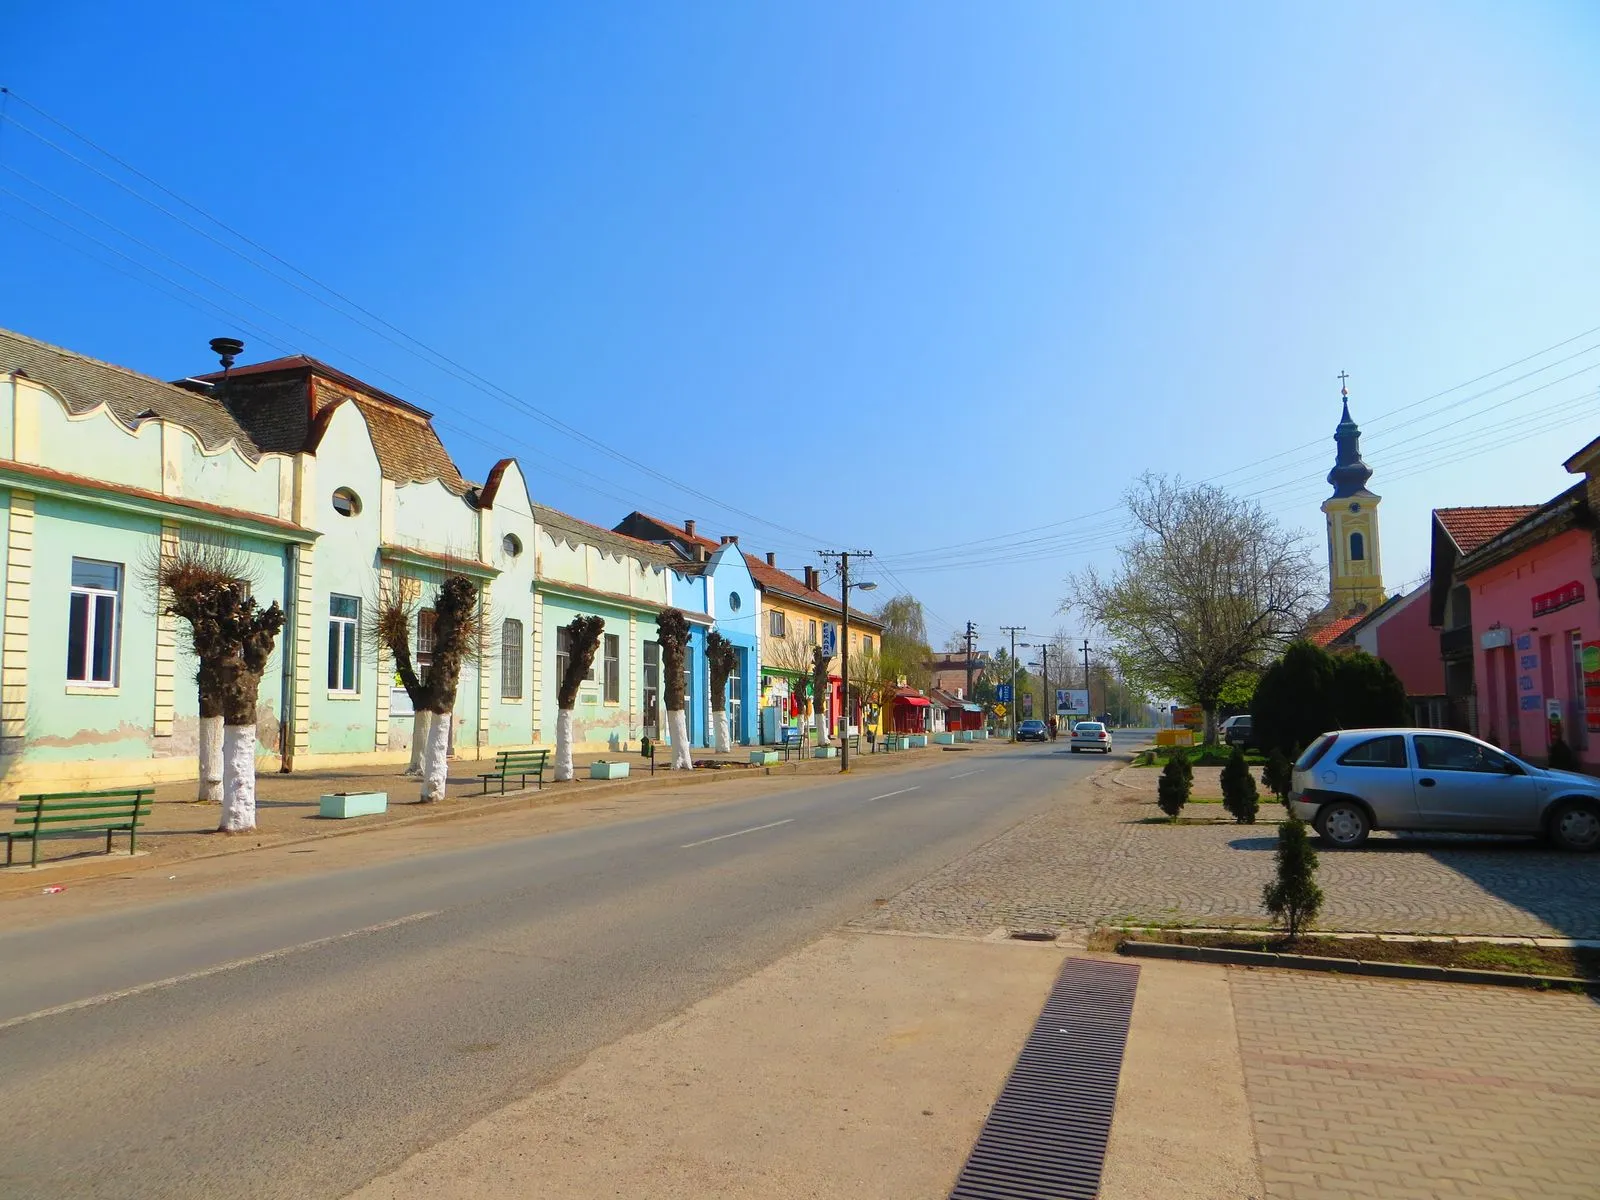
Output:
(298, 1038)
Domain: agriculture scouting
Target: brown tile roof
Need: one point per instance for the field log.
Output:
(581, 532)
(1470, 528)
(285, 403)
(86, 382)
(676, 532)
(774, 579)
(1330, 632)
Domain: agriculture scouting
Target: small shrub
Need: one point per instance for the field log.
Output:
(1239, 795)
(1185, 763)
(1172, 789)
(1279, 775)
(1294, 897)
(1561, 756)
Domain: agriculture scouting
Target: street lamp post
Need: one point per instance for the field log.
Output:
(844, 652)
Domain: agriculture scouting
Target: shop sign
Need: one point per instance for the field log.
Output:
(1556, 598)
(1590, 661)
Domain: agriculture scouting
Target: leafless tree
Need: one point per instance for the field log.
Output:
(819, 693)
(1210, 589)
(721, 657)
(791, 654)
(672, 632)
(583, 639)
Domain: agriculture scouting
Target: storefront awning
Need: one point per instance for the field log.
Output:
(978, 708)
(914, 701)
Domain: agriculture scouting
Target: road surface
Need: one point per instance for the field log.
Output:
(299, 1038)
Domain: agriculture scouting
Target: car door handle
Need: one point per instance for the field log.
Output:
(1425, 782)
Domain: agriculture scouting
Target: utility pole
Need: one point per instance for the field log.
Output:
(972, 632)
(844, 646)
(1013, 630)
(1044, 669)
(1088, 688)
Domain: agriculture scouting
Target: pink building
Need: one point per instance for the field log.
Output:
(1534, 612)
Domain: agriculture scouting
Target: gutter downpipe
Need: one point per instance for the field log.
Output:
(291, 559)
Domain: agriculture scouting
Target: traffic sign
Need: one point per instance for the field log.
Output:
(1002, 693)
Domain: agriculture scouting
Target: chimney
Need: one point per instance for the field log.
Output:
(688, 527)
(726, 539)
(772, 558)
(811, 578)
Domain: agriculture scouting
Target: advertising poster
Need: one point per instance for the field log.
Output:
(1591, 684)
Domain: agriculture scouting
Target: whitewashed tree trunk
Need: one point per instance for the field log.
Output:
(436, 758)
(210, 760)
(238, 778)
(678, 730)
(563, 745)
(824, 734)
(723, 744)
(421, 722)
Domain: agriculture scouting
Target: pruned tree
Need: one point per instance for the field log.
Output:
(792, 655)
(672, 632)
(583, 639)
(819, 694)
(722, 658)
(397, 611)
(1293, 895)
(457, 624)
(182, 582)
(205, 585)
(1211, 588)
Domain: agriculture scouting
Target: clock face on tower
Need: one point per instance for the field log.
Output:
(1355, 508)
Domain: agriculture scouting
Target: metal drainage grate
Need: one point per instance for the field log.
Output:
(1045, 1138)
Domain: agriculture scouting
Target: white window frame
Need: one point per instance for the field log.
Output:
(777, 625)
(92, 596)
(349, 635)
(611, 648)
(511, 659)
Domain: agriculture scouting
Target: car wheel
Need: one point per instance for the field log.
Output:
(1575, 825)
(1344, 824)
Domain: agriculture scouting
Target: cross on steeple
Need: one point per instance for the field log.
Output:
(1343, 375)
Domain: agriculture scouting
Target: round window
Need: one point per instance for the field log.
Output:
(511, 544)
(733, 601)
(1355, 508)
(346, 503)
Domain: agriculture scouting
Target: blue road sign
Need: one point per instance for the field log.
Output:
(1002, 693)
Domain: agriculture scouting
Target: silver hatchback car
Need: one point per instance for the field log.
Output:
(1349, 783)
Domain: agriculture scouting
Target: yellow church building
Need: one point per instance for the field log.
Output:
(1355, 565)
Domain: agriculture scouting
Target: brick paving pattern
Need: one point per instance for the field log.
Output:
(1363, 1087)
(1096, 857)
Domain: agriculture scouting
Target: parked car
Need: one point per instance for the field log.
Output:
(1347, 784)
(1091, 735)
(1033, 731)
(1240, 731)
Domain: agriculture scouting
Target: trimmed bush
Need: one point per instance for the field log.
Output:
(1561, 757)
(1239, 794)
(1172, 789)
(1279, 776)
(1294, 897)
(1180, 755)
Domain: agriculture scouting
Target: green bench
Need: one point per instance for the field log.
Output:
(516, 762)
(71, 814)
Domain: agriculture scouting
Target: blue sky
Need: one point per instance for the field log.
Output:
(937, 280)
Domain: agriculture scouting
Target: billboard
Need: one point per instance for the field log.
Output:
(1072, 702)
(1189, 717)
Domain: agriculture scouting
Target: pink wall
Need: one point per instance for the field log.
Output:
(1516, 682)
(1411, 646)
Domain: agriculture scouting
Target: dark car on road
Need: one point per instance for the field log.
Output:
(1240, 731)
(1033, 731)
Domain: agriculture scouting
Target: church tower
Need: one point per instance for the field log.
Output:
(1355, 571)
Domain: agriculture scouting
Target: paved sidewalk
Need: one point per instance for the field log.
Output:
(1104, 855)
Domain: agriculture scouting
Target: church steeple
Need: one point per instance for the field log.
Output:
(1349, 474)
(1355, 572)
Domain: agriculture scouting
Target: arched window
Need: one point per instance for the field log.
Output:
(1358, 547)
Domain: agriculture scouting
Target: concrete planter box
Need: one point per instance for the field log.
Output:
(608, 770)
(964, 735)
(944, 739)
(825, 752)
(902, 742)
(342, 805)
(980, 735)
(765, 758)
(918, 740)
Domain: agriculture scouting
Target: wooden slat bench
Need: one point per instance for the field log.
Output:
(68, 814)
(516, 762)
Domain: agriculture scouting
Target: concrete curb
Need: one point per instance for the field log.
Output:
(1350, 966)
(455, 808)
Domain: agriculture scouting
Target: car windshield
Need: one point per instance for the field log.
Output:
(1090, 727)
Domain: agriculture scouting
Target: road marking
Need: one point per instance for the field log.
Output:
(736, 833)
(964, 774)
(901, 792)
(175, 980)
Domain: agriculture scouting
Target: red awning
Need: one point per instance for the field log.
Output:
(914, 701)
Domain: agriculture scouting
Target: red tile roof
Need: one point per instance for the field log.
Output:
(681, 534)
(773, 579)
(1470, 528)
(1330, 632)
